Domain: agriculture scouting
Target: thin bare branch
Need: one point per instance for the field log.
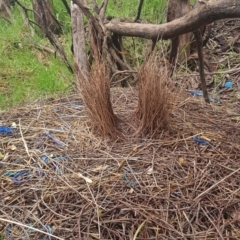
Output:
(103, 10)
(139, 10)
(198, 38)
(90, 17)
(67, 7)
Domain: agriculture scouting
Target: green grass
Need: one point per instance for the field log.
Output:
(152, 11)
(27, 73)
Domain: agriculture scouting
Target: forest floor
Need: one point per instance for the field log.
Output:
(59, 181)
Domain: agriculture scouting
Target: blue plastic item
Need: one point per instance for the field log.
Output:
(215, 100)
(200, 141)
(45, 158)
(196, 93)
(49, 230)
(20, 177)
(6, 130)
(228, 84)
(55, 163)
(200, 94)
(60, 143)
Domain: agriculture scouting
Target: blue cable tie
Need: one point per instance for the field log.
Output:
(200, 94)
(45, 158)
(19, 177)
(132, 183)
(55, 162)
(196, 93)
(49, 230)
(9, 174)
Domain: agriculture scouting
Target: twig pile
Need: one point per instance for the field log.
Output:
(156, 96)
(57, 178)
(96, 94)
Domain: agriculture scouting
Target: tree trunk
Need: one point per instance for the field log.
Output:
(180, 48)
(51, 22)
(79, 43)
(5, 8)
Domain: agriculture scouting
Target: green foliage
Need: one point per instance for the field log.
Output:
(62, 16)
(152, 11)
(28, 73)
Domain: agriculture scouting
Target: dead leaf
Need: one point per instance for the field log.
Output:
(181, 161)
(150, 170)
(11, 147)
(131, 190)
(6, 157)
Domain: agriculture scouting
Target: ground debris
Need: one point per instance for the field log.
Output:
(169, 187)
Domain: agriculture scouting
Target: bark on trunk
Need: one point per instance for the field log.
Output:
(180, 49)
(51, 22)
(5, 8)
(79, 43)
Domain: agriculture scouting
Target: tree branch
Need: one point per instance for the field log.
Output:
(139, 10)
(67, 7)
(90, 17)
(207, 13)
(103, 10)
(199, 42)
(52, 39)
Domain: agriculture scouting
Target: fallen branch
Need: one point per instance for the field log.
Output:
(207, 13)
